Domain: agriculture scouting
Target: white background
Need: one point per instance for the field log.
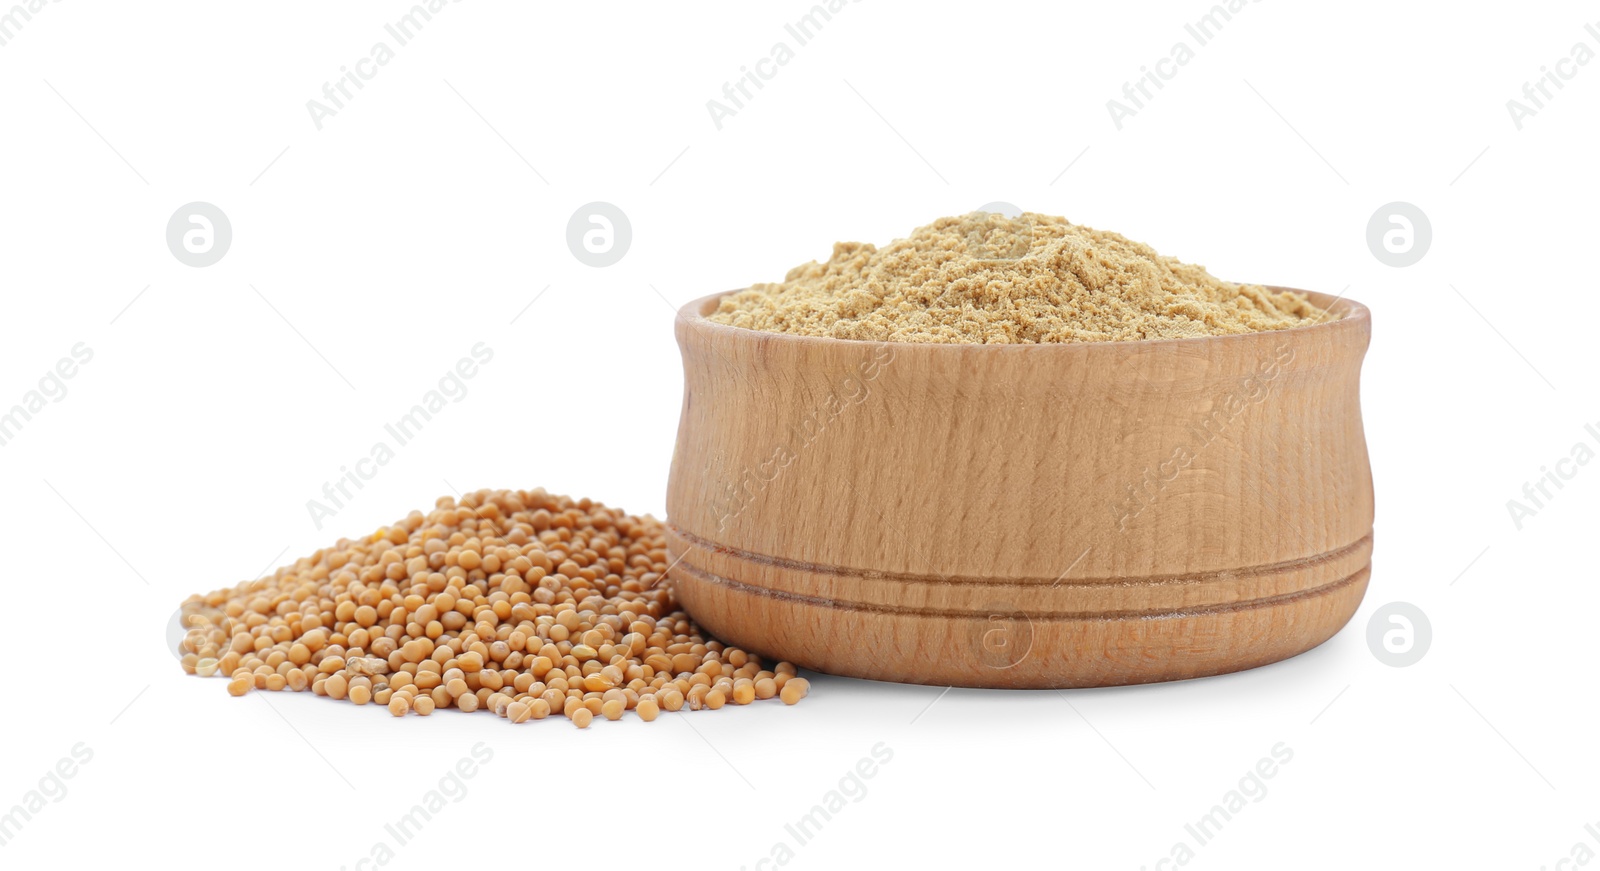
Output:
(373, 253)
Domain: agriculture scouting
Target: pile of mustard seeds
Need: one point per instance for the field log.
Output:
(520, 603)
(984, 278)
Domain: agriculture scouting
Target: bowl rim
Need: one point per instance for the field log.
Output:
(1353, 315)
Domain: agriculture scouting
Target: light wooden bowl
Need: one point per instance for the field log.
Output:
(1022, 515)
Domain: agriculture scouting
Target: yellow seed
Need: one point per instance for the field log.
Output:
(581, 717)
(518, 602)
(794, 690)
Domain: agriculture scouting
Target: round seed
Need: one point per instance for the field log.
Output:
(516, 602)
(794, 690)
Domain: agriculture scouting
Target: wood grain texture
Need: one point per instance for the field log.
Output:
(1022, 516)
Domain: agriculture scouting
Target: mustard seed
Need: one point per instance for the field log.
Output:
(517, 602)
(794, 690)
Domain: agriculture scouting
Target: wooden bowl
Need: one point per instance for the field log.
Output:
(1062, 515)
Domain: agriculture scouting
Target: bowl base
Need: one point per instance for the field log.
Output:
(972, 633)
